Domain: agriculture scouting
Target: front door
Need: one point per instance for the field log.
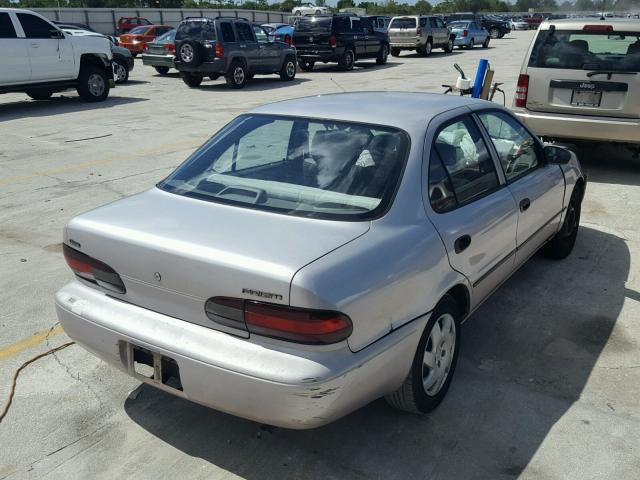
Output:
(14, 56)
(537, 187)
(474, 213)
(360, 37)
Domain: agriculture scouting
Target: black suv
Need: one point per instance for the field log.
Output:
(232, 47)
(338, 38)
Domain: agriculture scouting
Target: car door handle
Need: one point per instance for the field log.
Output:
(462, 243)
(35, 45)
(525, 203)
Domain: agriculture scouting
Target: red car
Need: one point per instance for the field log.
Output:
(136, 40)
(127, 23)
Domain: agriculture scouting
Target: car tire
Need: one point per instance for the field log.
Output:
(347, 60)
(236, 77)
(561, 245)
(306, 65)
(288, 70)
(189, 53)
(162, 70)
(318, 12)
(421, 51)
(191, 80)
(395, 52)
(485, 44)
(436, 356)
(39, 94)
(448, 48)
(472, 43)
(428, 48)
(297, 12)
(495, 33)
(383, 54)
(120, 72)
(93, 83)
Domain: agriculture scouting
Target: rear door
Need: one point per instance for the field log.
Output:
(475, 215)
(360, 37)
(538, 187)
(269, 51)
(14, 56)
(589, 71)
(443, 31)
(248, 44)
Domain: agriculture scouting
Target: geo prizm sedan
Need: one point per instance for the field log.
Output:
(314, 255)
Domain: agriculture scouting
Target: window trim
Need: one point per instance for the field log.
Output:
(501, 183)
(494, 151)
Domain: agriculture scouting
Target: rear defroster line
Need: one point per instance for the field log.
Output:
(12, 388)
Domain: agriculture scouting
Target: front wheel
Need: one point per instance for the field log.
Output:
(561, 245)
(347, 61)
(191, 80)
(288, 70)
(434, 362)
(120, 72)
(395, 52)
(485, 44)
(494, 32)
(383, 55)
(162, 70)
(93, 84)
(306, 65)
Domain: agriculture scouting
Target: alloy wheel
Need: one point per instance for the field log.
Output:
(96, 84)
(186, 53)
(119, 72)
(438, 354)
(238, 75)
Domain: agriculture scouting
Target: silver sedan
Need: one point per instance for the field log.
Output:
(315, 255)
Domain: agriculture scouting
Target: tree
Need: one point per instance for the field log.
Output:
(422, 6)
(584, 5)
(321, 3)
(567, 6)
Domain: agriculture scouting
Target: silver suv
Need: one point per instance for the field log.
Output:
(580, 80)
(419, 33)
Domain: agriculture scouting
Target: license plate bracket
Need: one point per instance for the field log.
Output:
(153, 367)
(586, 98)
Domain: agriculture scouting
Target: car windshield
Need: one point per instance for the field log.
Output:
(403, 23)
(314, 24)
(167, 37)
(138, 30)
(584, 50)
(296, 166)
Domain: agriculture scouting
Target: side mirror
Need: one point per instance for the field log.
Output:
(557, 155)
(55, 33)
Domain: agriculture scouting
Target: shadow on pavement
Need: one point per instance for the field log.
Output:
(608, 163)
(526, 356)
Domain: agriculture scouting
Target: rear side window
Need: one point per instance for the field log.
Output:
(315, 24)
(6, 27)
(35, 27)
(467, 161)
(403, 23)
(580, 50)
(227, 32)
(244, 32)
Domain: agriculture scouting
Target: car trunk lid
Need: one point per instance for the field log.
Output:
(174, 252)
(312, 33)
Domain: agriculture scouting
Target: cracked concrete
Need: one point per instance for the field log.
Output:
(546, 385)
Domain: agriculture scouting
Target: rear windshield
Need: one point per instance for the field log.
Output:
(197, 30)
(459, 24)
(403, 23)
(138, 30)
(580, 50)
(314, 24)
(296, 166)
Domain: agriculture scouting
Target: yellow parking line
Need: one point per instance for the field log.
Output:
(32, 341)
(102, 161)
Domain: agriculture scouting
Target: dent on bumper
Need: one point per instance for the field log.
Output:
(274, 384)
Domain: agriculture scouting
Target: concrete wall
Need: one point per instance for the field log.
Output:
(104, 20)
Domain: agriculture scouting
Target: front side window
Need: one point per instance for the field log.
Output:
(244, 32)
(515, 146)
(296, 166)
(6, 26)
(440, 23)
(35, 27)
(467, 161)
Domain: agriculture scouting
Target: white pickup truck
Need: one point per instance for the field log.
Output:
(37, 58)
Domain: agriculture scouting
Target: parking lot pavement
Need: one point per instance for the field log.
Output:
(546, 387)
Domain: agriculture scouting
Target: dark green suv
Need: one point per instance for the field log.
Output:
(230, 47)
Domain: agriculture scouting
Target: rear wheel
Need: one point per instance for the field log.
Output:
(237, 75)
(495, 33)
(347, 61)
(383, 54)
(561, 245)
(39, 94)
(448, 48)
(434, 362)
(395, 52)
(93, 83)
(120, 72)
(191, 80)
(288, 70)
(428, 48)
(306, 65)
(485, 44)
(162, 70)
(472, 44)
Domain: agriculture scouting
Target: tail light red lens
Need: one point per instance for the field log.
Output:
(314, 327)
(219, 51)
(170, 47)
(333, 41)
(93, 270)
(522, 91)
(465, 33)
(287, 39)
(145, 47)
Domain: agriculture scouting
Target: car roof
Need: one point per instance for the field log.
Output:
(625, 24)
(404, 110)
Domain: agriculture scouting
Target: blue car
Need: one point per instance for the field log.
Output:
(283, 34)
(469, 33)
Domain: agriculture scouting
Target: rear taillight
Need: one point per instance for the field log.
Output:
(465, 33)
(219, 51)
(522, 90)
(333, 41)
(313, 327)
(418, 32)
(93, 270)
(145, 47)
(170, 47)
(287, 39)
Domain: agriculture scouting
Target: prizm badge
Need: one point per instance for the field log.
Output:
(260, 293)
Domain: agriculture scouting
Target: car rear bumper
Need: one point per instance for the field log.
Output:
(407, 44)
(461, 41)
(217, 66)
(581, 127)
(273, 383)
(319, 55)
(158, 60)
(133, 47)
